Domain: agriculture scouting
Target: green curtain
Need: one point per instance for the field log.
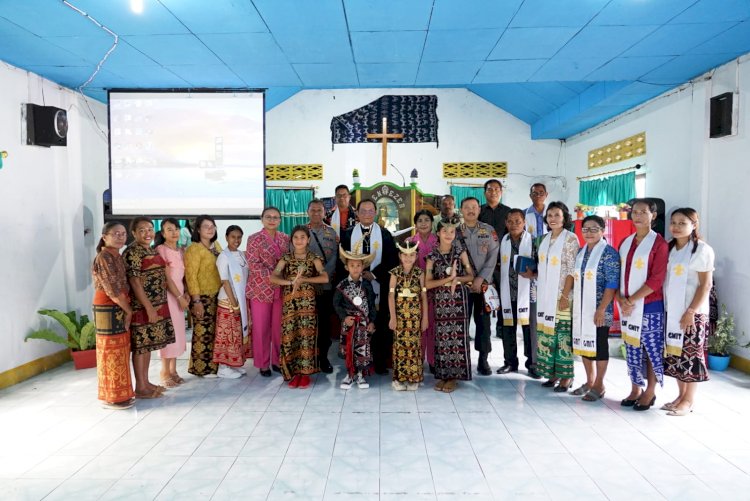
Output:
(611, 190)
(461, 192)
(292, 204)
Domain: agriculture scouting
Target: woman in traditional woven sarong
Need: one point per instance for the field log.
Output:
(297, 271)
(232, 346)
(423, 221)
(151, 326)
(686, 291)
(264, 250)
(643, 258)
(557, 259)
(597, 278)
(448, 272)
(203, 284)
(112, 315)
(407, 301)
(177, 298)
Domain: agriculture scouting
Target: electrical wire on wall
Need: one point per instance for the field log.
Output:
(99, 64)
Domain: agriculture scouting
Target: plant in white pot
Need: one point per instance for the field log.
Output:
(80, 340)
(721, 341)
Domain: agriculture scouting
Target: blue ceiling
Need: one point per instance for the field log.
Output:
(561, 66)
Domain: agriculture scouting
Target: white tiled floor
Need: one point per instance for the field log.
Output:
(497, 437)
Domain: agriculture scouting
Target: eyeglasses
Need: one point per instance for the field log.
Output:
(343, 195)
(272, 218)
(117, 233)
(367, 211)
(592, 229)
(538, 193)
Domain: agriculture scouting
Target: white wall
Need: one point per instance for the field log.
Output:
(686, 168)
(46, 195)
(470, 130)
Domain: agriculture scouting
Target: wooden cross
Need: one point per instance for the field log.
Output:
(385, 137)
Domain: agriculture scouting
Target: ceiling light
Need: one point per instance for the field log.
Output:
(136, 6)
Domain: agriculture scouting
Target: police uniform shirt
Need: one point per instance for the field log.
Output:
(482, 244)
(325, 237)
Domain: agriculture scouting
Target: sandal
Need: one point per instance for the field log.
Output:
(450, 386)
(550, 383)
(581, 390)
(119, 406)
(669, 406)
(177, 379)
(592, 395)
(154, 394)
(440, 385)
(169, 383)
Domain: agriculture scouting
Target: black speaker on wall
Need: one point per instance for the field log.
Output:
(721, 115)
(46, 125)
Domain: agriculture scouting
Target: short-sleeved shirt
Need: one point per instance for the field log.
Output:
(607, 276)
(324, 243)
(108, 272)
(701, 261)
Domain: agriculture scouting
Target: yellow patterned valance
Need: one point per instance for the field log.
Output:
(630, 147)
(454, 170)
(294, 172)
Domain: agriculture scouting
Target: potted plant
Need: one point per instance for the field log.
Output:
(355, 176)
(624, 210)
(81, 336)
(721, 341)
(580, 208)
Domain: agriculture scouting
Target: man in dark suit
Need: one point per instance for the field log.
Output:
(379, 241)
(494, 213)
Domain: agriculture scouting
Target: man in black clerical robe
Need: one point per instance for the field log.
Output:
(365, 233)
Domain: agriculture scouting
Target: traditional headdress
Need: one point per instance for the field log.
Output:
(356, 254)
(409, 247)
(451, 222)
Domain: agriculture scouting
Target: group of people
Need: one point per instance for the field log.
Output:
(396, 305)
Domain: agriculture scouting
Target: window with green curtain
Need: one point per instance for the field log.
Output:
(461, 192)
(292, 204)
(610, 190)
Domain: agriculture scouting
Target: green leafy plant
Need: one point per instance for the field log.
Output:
(81, 332)
(722, 339)
(355, 173)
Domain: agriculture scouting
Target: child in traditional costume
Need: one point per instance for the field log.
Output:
(447, 275)
(232, 346)
(407, 301)
(297, 271)
(354, 303)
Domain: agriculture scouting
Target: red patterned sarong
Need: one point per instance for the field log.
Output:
(229, 348)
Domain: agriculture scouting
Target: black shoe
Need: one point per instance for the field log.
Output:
(484, 370)
(506, 369)
(639, 407)
(550, 383)
(534, 374)
(381, 372)
(265, 372)
(325, 366)
(626, 402)
(275, 368)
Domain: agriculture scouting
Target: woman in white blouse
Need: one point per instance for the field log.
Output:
(686, 289)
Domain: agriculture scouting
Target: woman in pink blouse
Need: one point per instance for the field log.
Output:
(264, 250)
(427, 240)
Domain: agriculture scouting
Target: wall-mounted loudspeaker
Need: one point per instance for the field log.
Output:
(721, 115)
(46, 125)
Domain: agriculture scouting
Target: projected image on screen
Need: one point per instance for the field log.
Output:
(179, 153)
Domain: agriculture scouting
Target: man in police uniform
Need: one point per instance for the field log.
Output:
(481, 243)
(324, 243)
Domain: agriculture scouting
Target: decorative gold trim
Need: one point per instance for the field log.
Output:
(454, 170)
(294, 172)
(739, 363)
(31, 369)
(625, 149)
